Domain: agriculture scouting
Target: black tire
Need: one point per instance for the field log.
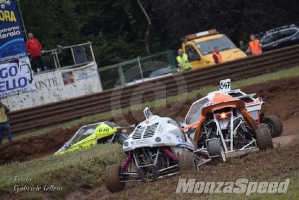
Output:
(274, 125)
(187, 162)
(112, 178)
(263, 137)
(215, 149)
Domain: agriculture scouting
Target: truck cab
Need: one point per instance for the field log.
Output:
(200, 47)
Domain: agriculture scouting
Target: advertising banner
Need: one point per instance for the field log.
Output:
(12, 44)
(16, 77)
(54, 86)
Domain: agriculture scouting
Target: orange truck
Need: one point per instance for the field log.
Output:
(200, 46)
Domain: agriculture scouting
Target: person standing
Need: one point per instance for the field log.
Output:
(4, 122)
(34, 48)
(216, 56)
(183, 61)
(255, 46)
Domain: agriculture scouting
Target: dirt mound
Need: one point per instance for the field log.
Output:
(279, 95)
(37, 146)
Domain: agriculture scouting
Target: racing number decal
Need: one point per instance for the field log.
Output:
(103, 130)
(225, 84)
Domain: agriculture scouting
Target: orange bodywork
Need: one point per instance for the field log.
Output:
(218, 102)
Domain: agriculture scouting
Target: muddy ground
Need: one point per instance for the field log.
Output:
(280, 97)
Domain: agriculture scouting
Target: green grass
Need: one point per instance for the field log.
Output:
(203, 91)
(77, 170)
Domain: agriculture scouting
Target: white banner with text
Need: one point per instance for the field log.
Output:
(54, 86)
(16, 77)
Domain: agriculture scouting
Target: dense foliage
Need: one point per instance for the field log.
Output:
(118, 28)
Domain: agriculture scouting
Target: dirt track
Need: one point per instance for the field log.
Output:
(280, 97)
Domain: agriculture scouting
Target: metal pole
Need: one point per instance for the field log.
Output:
(73, 55)
(92, 52)
(138, 59)
(54, 59)
(23, 24)
(58, 64)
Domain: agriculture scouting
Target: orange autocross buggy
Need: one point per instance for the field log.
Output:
(221, 124)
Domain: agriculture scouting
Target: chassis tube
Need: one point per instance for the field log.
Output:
(171, 155)
(128, 160)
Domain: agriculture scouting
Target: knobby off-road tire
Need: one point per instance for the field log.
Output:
(274, 125)
(112, 178)
(187, 162)
(215, 149)
(263, 137)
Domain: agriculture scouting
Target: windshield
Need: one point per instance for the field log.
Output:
(194, 113)
(222, 43)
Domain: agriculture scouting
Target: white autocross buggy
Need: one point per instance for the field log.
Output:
(156, 148)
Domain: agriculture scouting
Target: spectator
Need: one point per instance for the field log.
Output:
(34, 48)
(255, 46)
(4, 122)
(182, 59)
(216, 56)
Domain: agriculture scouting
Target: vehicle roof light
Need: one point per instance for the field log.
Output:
(200, 34)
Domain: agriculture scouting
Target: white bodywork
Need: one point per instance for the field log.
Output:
(157, 131)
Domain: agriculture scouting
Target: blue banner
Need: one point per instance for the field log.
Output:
(12, 44)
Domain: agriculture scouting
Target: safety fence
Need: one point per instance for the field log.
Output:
(138, 70)
(26, 120)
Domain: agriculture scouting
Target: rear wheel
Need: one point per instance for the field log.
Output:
(187, 162)
(216, 152)
(112, 181)
(263, 137)
(274, 125)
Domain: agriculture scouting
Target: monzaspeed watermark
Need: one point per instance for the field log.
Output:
(239, 186)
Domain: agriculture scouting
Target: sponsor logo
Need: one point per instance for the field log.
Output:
(85, 75)
(16, 77)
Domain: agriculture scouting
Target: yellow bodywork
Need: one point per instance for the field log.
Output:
(207, 60)
(101, 131)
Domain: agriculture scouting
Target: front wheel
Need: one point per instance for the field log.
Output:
(274, 125)
(187, 162)
(112, 181)
(216, 152)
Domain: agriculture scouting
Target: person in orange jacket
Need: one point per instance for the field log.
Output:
(255, 46)
(34, 48)
(216, 56)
